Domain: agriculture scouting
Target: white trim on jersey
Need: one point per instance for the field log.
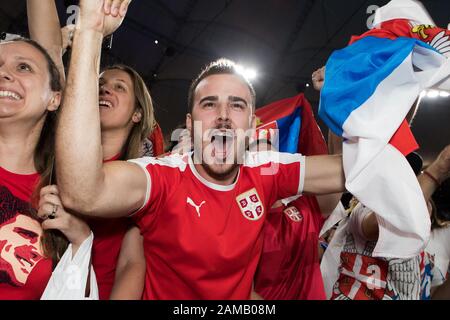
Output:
(256, 159)
(301, 184)
(148, 188)
(173, 161)
(252, 159)
(209, 184)
(286, 201)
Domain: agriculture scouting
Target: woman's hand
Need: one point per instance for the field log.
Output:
(67, 36)
(55, 217)
(104, 16)
(440, 168)
(318, 78)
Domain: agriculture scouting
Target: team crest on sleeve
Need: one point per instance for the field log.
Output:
(293, 213)
(250, 204)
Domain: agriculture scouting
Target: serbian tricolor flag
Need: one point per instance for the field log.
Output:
(369, 88)
(297, 128)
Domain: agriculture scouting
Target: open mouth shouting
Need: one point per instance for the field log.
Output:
(222, 141)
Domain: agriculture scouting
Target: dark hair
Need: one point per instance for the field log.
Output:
(415, 161)
(54, 242)
(221, 66)
(141, 130)
(18, 206)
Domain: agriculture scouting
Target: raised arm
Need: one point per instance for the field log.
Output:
(429, 181)
(85, 183)
(324, 175)
(435, 174)
(327, 203)
(44, 28)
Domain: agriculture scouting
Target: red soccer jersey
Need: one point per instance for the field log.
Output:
(289, 267)
(24, 271)
(202, 240)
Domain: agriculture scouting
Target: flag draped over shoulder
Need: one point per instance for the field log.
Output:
(298, 130)
(369, 88)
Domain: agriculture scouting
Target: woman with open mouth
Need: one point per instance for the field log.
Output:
(127, 120)
(30, 94)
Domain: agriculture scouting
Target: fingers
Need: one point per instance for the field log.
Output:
(69, 28)
(48, 200)
(75, 229)
(124, 7)
(53, 189)
(318, 78)
(61, 223)
(47, 209)
(319, 74)
(116, 7)
(107, 6)
(51, 224)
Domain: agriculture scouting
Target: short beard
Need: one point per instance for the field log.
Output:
(219, 176)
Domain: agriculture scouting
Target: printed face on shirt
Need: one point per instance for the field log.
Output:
(19, 249)
(223, 110)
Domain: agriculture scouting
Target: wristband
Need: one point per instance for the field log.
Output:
(429, 175)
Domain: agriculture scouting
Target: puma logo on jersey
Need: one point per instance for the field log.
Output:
(197, 207)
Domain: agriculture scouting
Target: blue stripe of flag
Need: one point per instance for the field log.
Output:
(289, 131)
(354, 73)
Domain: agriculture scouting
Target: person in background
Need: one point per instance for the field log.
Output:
(127, 119)
(439, 245)
(289, 267)
(364, 277)
(30, 94)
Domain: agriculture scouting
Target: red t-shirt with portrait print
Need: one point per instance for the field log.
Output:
(24, 271)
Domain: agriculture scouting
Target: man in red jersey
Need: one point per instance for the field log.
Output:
(201, 213)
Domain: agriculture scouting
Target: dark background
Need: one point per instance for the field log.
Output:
(284, 40)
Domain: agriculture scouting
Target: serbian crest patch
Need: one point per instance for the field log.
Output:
(250, 204)
(293, 213)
